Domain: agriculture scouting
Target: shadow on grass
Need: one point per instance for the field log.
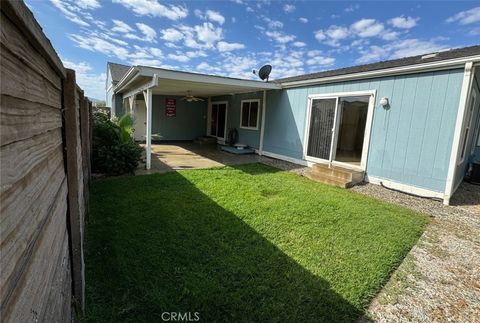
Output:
(152, 250)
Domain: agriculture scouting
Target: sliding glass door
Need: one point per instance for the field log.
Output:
(337, 128)
(218, 117)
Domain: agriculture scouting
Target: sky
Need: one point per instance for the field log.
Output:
(232, 38)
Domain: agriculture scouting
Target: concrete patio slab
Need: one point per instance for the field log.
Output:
(187, 155)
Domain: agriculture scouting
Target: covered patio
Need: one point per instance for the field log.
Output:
(142, 82)
(188, 155)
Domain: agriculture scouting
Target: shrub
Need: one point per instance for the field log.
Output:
(114, 151)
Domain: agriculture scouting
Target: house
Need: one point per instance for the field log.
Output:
(411, 124)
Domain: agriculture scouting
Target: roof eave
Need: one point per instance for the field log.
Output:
(408, 69)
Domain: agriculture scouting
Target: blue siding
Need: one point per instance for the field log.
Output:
(410, 142)
(189, 123)
(245, 136)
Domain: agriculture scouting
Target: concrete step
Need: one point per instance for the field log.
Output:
(339, 172)
(326, 179)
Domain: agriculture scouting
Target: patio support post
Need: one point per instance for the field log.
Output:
(262, 129)
(131, 101)
(148, 103)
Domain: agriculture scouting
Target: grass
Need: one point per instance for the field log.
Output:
(249, 243)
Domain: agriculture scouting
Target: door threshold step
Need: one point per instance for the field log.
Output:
(334, 175)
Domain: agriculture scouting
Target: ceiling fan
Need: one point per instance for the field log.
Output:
(190, 98)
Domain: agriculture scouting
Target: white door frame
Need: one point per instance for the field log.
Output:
(368, 128)
(209, 119)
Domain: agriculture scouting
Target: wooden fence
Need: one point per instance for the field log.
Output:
(45, 136)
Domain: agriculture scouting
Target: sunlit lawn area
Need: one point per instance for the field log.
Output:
(249, 243)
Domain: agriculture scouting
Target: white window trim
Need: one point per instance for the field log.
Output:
(258, 114)
(368, 127)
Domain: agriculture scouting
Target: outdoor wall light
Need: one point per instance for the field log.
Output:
(384, 102)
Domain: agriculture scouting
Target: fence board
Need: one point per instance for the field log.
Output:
(19, 80)
(19, 228)
(20, 157)
(45, 140)
(21, 119)
(12, 40)
(75, 183)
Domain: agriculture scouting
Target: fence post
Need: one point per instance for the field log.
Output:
(75, 179)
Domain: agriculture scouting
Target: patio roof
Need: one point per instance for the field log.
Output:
(169, 82)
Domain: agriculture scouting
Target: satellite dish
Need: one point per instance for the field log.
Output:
(264, 72)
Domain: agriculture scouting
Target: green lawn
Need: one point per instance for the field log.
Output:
(249, 243)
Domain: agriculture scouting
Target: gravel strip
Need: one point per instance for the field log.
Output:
(439, 280)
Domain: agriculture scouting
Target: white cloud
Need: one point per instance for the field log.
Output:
(154, 9)
(146, 62)
(403, 22)
(320, 35)
(299, 44)
(195, 54)
(466, 17)
(313, 53)
(88, 4)
(97, 44)
(215, 16)
(390, 35)
(273, 24)
(303, 20)
(288, 8)
(337, 32)
(93, 84)
(179, 57)
(171, 35)
(399, 49)
(280, 37)
(321, 60)
(70, 11)
(352, 8)
(227, 47)
(121, 27)
(149, 33)
(367, 28)
(208, 33)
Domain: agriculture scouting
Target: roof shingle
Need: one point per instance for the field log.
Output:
(413, 60)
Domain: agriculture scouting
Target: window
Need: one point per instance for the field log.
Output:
(249, 114)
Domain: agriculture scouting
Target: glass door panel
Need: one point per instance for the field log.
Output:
(222, 113)
(213, 120)
(350, 132)
(322, 119)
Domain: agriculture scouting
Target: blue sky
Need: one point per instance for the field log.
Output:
(233, 37)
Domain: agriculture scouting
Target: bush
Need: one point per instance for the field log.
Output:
(114, 151)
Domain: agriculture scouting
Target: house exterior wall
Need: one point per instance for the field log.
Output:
(410, 142)
(189, 123)
(245, 136)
